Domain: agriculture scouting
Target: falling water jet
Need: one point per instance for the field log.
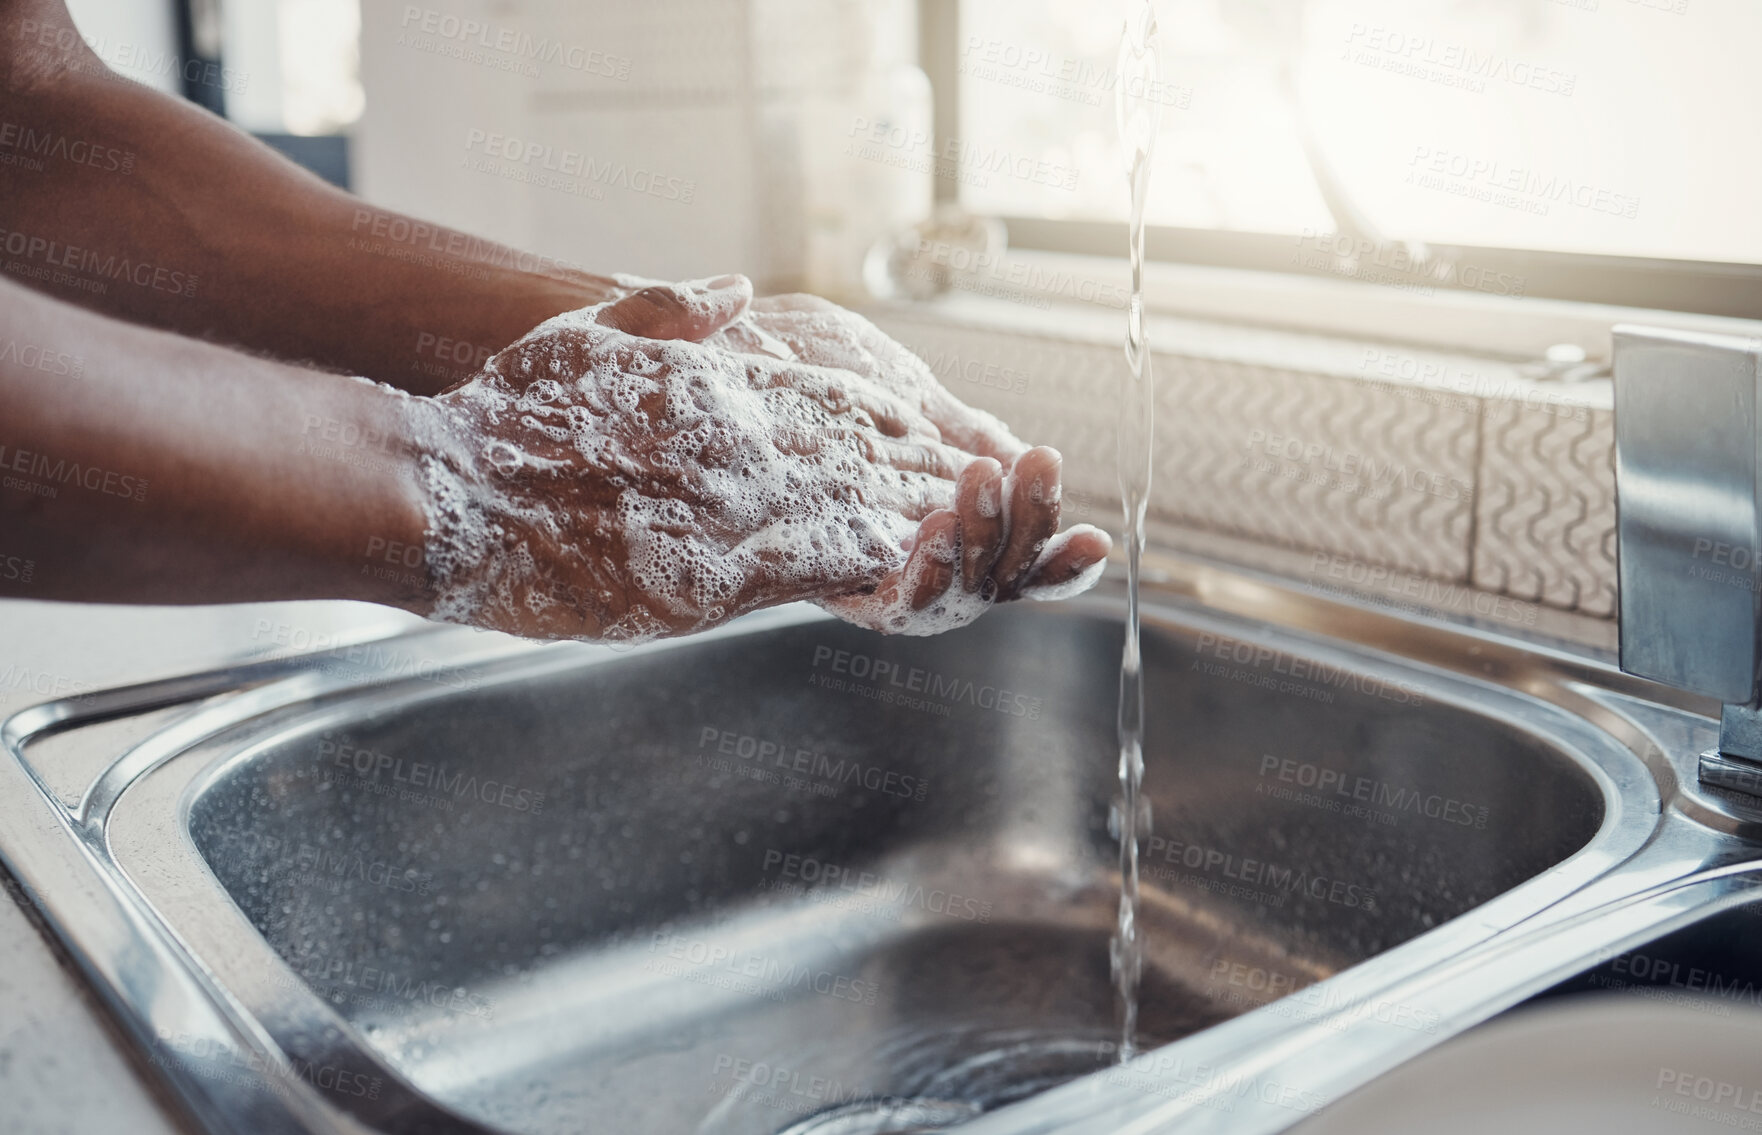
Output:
(1138, 117)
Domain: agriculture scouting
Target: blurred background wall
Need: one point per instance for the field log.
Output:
(656, 137)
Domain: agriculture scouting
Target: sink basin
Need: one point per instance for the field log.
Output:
(795, 877)
(730, 884)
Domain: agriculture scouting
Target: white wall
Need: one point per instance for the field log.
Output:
(252, 39)
(704, 95)
(135, 37)
(447, 106)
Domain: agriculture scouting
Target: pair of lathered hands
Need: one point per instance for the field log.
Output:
(618, 458)
(787, 423)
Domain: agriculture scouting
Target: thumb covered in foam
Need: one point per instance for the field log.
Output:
(692, 310)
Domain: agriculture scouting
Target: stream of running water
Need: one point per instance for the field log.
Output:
(1138, 116)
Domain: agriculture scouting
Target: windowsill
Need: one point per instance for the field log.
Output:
(1083, 292)
(1381, 359)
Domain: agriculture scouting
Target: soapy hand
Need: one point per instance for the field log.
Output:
(663, 462)
(813, 330)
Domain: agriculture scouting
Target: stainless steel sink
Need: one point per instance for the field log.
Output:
(797, 877)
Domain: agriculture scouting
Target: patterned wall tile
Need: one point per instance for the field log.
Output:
(1301, 460)
(1317, 462)
(1545, 521)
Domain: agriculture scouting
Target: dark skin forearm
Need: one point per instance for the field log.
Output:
(149, 209)
(138, 466)
(159, 466)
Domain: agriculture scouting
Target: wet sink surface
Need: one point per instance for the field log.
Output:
(803, 871)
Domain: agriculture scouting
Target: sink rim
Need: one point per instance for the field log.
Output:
(190, 754)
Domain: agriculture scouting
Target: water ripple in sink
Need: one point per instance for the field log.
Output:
(937, 1078)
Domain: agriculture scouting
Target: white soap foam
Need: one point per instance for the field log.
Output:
(666, 486)
(989, 502)
(1077, 584)
(711, 511)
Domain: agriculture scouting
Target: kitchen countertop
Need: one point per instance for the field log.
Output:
(62, 1067)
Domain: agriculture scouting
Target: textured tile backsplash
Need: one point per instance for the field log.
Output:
(1545, 512)
(1317, 462)
(1442, 467)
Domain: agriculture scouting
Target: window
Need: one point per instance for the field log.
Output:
(1583, 149)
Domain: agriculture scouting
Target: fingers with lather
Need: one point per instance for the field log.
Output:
(1067, 556)
(979, 501)
(934, 563)
(1033, 488)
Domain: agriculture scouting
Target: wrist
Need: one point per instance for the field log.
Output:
(444, 475)
(512, 522)
(386, 559)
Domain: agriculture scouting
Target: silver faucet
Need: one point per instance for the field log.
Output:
(1688, 479)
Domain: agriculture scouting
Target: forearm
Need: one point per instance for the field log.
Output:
(144, 207)
(149, 468)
